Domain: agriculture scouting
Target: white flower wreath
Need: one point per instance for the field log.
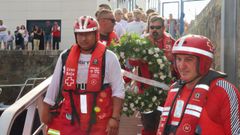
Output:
(134, 47)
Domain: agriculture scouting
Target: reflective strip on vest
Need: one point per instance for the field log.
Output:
(165, 111)
(193, 113)
(203, 86)
(159, 108)
(53, 132)
(174, 90)
(194, 107)
(83, 103)
(174, 123)
(166, 108)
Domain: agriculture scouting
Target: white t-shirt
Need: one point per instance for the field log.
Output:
(136, 27)
(113, 76)
(3, 30)
(119, 29)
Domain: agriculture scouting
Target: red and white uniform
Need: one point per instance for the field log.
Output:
(85, 71)
(207, 110)
(165, 44)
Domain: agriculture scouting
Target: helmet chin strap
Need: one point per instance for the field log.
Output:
(90, 49)
(187, 82)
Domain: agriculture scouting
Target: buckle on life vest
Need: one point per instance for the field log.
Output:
(84, 91)
(81, 86)
(55, 110)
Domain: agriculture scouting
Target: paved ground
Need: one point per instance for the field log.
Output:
(130, 125)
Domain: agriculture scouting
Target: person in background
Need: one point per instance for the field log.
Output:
(201, 102)
(24, 34)
(137, 26)
(125, 11)
(159, 37)
(92, 87)
(149, 11)
(41, 37)
(107, 21)
(119, 18)
(172, 26)
(163, 41)
(10, 39)
(130, 17)
(47, 31)
(104, 6)
(18, 38)
(56, 34)
(36, 37)
(120, 25)
(3, 35)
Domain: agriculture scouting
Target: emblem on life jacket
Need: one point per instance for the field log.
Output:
(197, 95)
(69, 81)
(95, 61)
(68, 116)
(93, 82)
(187, 127)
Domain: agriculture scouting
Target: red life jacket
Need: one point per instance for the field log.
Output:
(183, 116)
(95, 98)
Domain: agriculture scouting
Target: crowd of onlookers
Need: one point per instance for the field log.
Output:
(38, 38)
(136, 21)
(48, 36)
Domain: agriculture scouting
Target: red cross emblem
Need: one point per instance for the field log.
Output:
(69, 81)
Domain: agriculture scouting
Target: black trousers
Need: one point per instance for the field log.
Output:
(151, 120)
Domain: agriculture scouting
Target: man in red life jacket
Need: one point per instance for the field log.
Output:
(157, 35)
(202, 101)
(107, 21)
(92, 87)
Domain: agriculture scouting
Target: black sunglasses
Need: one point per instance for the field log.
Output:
(155, 27)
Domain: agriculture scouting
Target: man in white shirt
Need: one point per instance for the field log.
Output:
(137, 26)
(120, 26)
(91, 85)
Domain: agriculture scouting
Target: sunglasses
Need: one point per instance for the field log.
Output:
(111, 19)
(155, 27)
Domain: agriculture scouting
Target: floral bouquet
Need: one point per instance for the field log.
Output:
(134, 47)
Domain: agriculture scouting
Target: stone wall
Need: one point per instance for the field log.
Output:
(208, 23)
(17, 66)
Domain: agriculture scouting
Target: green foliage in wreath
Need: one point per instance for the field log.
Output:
(134, 47)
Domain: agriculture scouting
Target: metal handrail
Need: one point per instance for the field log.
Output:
(29, 102)
(14, 85)
(29, 79)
